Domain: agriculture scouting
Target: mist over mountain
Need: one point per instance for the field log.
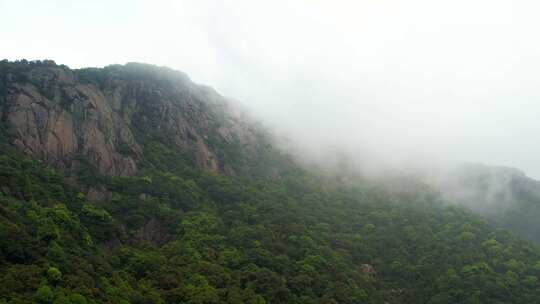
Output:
(132, 184)
(506, 196)
(387, 81)
(304, 152)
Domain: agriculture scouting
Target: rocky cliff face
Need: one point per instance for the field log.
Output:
(62, 116)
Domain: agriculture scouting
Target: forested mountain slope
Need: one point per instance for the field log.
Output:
(505, 196)
(131, 184)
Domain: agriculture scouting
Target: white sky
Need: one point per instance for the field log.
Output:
(417, 79)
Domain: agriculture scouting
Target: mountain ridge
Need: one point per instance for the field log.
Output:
(504, 195)
(243, 223)
(54, 114)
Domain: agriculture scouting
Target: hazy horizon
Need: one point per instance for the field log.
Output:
(398, 82)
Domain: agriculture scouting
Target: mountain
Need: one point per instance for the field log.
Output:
(132, 184)
(105, 116)
(505, 196)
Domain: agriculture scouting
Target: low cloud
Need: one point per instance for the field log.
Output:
(386, 82)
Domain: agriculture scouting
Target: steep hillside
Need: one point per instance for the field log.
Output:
(130, 184)
(506, 196)
(108, 116)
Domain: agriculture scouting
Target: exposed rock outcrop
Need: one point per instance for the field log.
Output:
(368, 269)
(152, 232)
(64, 116)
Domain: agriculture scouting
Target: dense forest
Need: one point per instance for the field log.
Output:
(255, 228)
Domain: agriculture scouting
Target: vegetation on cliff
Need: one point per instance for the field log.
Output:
(264, 230)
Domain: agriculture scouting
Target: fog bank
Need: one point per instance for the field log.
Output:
(389, 83)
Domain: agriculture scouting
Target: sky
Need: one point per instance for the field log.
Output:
(395, 82)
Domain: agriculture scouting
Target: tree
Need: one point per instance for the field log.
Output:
(44, 295)
(54, 275)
